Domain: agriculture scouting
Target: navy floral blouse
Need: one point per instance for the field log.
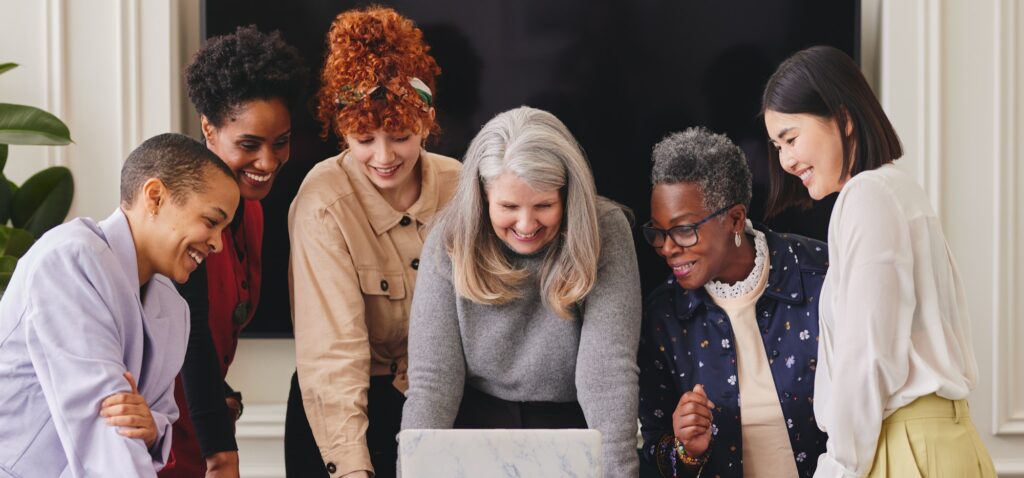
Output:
(686, 340)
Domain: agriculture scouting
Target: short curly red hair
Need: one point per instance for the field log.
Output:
(373, 47)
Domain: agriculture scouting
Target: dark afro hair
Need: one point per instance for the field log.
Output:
(231, 70)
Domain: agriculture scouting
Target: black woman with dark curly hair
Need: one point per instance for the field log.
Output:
(243, 85)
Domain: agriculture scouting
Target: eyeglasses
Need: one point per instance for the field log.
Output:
(684, 235)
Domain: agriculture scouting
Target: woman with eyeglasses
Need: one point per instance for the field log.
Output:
(897, 363)
(737, 317)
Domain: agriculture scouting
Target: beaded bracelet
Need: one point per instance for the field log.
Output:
(686, 459)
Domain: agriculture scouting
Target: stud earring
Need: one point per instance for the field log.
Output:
(738, 241)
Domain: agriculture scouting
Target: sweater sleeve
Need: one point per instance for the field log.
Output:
(437, 364)
(606, 370)
(200, 374)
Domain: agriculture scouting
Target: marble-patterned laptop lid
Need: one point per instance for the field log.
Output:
(500, 453)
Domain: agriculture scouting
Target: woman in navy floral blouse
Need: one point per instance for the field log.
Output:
(739, 313)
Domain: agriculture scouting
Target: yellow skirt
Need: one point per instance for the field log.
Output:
(931, 437)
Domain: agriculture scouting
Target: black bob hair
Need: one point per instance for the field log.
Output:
(825, 82)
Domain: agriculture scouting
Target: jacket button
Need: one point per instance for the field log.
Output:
(245, 285)
(775, 353)
(331, 468)
(415, 264)
(384, 285)
(394, 367)
(405, 221)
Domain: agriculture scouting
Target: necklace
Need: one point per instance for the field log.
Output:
(241, 312)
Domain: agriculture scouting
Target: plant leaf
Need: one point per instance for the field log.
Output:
(14, 242)
(43, 201)
(7, 265)
(5, 67)
(20, 124)
(6, 198)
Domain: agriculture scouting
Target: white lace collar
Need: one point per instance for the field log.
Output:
(721, 290)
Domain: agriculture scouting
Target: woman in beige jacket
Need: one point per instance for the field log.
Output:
(357, 227)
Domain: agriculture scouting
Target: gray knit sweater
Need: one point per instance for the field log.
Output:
(522, 351)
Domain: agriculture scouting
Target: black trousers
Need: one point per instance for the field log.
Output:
(384, 409)
(480, 410)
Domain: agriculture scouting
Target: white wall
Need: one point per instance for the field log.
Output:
(951, 77)
(950, 74)
(106, 68)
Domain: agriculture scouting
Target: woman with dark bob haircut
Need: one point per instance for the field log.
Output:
(244, 86)
(737, 316)
(895, 362)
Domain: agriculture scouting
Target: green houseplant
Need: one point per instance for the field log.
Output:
(42, 201)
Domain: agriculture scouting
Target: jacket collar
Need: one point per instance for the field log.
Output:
(785, 283)
(381, 215)
(118, 235)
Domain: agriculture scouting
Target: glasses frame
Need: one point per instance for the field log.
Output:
(659, 235)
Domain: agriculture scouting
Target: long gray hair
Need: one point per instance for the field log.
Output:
(537, 148)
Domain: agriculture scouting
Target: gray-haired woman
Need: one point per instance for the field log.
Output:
(739, 314)
(528, 292)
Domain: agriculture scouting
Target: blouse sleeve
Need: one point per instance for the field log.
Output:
(873, 308)
(606, 370)
(200, 374)
(437, 363)
(332, 344)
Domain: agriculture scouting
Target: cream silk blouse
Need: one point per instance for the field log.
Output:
(894, 320)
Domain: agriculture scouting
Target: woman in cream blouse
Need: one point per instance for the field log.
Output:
(895, 361)
(357, 227)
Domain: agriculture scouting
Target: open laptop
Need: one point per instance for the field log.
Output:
(499, 453)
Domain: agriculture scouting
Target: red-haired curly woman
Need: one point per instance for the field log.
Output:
(357, 227)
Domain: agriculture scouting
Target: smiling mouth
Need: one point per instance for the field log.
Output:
(683, 269)
(196, 256)
(524, 237)
(258, 178)
(386, 171)
(806, 174)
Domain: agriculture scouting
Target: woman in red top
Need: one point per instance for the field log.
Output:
(243, 86)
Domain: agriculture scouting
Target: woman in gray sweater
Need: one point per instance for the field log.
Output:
(527, 306)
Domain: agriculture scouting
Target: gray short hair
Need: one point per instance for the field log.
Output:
(711, 161)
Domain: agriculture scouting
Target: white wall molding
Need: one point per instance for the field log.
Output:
(260, 433)
(262, 421)
(130, 73)
(930, 102)
(909, 85)
(1010, 468)
(1008, 335)
(56, 81)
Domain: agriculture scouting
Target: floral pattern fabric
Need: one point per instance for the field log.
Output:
(687, 340)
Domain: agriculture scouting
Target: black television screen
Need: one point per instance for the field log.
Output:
(621, 75)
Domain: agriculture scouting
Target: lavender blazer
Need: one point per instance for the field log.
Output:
(72, 321)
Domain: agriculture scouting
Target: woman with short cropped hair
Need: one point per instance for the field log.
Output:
(738, 318)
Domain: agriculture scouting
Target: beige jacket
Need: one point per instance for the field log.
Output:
(353, 269)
